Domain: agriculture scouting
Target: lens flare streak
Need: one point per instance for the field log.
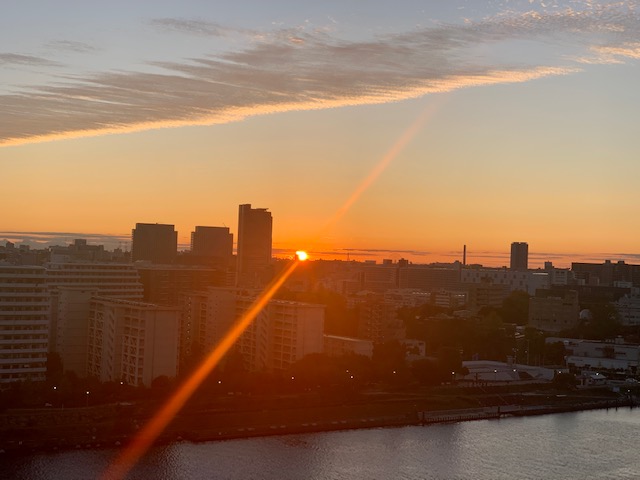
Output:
(150, 432)
(384, 162)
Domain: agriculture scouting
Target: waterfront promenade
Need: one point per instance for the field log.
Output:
(247, 416)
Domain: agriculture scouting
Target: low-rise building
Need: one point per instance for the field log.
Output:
(613, 356)
(628, 308)
(337, 346)
(526, 281)
(552, 313)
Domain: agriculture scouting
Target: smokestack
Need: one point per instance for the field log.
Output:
(464, 256)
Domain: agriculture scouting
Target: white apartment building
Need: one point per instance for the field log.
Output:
(72, 338)
(133, 342)
(110, 279)
(294, 329)
(105, 279)
(527, 281)
(629, 308)
(24, 323)
(281, 334)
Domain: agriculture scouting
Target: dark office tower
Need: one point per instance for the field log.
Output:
(154, 242)
(519, 256)
(254, 245)
(213, 244)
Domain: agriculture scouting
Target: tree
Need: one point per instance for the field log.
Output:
(316, 369)
(565, 381)
(54, 367)
(427, 372)
(449, 360)
(554, 353)
(160, 386)
(515, 308)
(388, 359)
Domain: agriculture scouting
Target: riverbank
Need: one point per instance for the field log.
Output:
(229, 417)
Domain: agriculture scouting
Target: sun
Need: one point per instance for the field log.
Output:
(302, 255)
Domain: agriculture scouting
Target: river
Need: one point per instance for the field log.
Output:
(597, 444)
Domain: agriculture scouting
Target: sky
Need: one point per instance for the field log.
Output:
(401, 129)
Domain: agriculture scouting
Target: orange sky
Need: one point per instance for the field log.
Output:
(468, 127)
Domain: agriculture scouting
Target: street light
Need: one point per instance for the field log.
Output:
(87, 403)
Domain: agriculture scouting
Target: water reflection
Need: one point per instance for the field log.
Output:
(595, 445)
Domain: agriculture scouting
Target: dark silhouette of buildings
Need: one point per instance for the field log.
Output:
(254, 245)
(519, 256)
(607, 274)
(166, 284)
(155, 242)
(214, 245)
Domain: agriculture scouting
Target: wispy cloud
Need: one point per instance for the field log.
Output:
(298, 70)
(17, 59)
(191, 27)
(71, 46)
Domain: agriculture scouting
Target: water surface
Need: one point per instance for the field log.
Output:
(600, 444)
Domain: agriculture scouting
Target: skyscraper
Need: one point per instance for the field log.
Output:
(254, 245)
(155, 242)
(519, 256)
(215, 244)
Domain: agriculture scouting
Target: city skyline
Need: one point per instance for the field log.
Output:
(491, 259)
(453, 124)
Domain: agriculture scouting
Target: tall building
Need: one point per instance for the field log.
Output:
(155, 242)
(166, 284)
(213, 244)
(282, 333)
(254, 245)
(67, 323)
(72, 332)
(519, 256)
(133, 342)
(24, 323)
(119, 280)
